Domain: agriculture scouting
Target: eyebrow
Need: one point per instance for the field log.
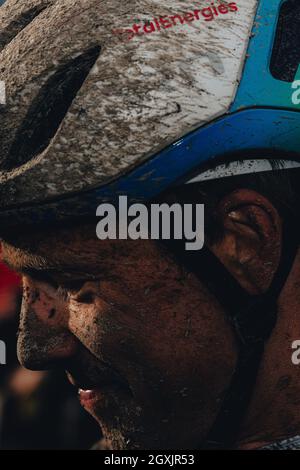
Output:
(42, 272)
(38, 267)
(33, 266)
(23, 262)
(39, 275)
(36, 273)
(56, 277)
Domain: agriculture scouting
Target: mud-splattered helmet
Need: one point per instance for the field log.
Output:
(101, 98)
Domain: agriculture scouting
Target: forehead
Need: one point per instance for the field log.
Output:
(51, 248)
(73, 249)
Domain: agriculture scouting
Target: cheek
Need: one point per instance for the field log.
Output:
(111, 321)
(122, 335)
(103, 327)
(88, 323)
(191, 348)
(173, 346)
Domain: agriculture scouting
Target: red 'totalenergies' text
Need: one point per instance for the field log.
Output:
(169, 21)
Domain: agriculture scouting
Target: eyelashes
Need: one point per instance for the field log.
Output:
(40, 276)
(63, 293)
(64, 290)
(64, 285)
(75, 289)
(73, 285)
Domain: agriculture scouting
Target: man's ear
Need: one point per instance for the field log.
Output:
(252, 236)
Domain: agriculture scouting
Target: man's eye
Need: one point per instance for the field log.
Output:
(72, 286)
(69, 288)
(41, 276)
(63, 282)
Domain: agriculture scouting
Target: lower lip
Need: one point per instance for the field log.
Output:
(88, 396)
(94, 398)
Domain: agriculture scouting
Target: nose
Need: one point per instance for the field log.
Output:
(44, 338)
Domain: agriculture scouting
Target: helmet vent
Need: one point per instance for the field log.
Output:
(285, 58)
(49, 108)
(19, 23)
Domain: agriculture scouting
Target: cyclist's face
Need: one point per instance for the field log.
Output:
(145, 337)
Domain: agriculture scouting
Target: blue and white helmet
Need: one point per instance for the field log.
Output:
(101, 98)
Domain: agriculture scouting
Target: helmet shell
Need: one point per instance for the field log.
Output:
(140, 94)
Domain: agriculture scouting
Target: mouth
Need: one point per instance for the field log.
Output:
(94, 392)
(92, 399)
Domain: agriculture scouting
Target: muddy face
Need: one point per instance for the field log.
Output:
(146, 343)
